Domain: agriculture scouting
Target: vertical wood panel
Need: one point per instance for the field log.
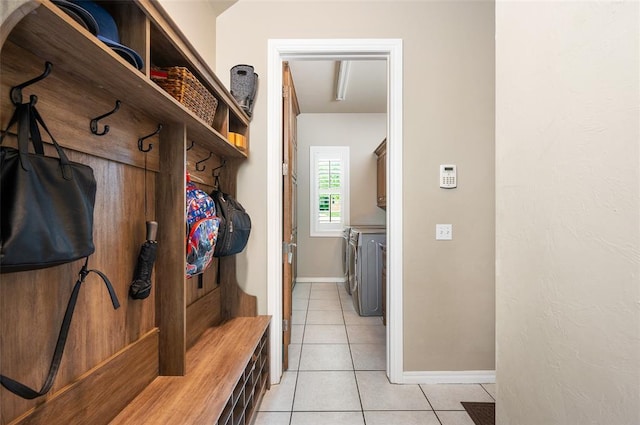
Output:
(209, 283)
(171, 229)
(235, 302)
(203, 314)
(32, 303)
(133, 28)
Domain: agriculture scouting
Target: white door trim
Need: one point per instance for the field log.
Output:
(280, 50)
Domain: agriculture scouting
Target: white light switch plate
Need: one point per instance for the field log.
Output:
(444, 232)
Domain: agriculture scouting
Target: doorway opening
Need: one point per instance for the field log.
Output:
(282, 50)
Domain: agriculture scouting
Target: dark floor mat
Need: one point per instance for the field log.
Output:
(481, 413)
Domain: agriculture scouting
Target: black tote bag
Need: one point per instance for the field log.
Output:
(46, 203)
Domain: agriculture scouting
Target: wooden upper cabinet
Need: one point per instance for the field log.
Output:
(381, 180)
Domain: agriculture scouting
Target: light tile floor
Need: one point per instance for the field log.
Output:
(336, 372)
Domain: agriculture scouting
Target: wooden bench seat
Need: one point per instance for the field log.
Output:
(227, 374)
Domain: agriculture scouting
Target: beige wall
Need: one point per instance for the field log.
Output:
(448, 117)
(322, 257)
(568, 213)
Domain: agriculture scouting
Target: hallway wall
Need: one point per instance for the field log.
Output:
(322, 257)
(448, 95)
(568, 213)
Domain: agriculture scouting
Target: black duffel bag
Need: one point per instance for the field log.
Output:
(46, 203)
(235, 225)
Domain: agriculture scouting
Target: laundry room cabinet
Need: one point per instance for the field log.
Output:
(187, 330)
(381, 175)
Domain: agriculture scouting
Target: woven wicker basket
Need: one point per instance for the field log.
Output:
(182, 85)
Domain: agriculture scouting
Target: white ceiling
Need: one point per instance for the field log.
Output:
(315, 83)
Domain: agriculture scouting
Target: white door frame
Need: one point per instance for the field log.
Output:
(280, 50)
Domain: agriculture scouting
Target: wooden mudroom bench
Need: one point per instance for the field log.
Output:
(195, 351)
(227, 373)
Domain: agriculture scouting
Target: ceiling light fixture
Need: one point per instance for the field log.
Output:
(342, 80)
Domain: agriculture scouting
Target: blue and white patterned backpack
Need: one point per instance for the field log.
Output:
(202, 229)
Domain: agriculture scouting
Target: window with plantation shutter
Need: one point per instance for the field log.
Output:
(329, 200)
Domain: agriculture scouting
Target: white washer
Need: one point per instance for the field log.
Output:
(345, 257)
(350, 252)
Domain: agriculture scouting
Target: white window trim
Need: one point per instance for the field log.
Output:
(316, 229)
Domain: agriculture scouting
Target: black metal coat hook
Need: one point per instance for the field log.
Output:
(191, 145)
(140, 140)
(216, 182)
(203, 160)
(213, 172)
(16, 91)
(94, 122)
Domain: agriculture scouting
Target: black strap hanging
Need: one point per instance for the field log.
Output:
(29, 393)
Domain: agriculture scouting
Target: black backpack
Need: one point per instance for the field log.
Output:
(235, 225)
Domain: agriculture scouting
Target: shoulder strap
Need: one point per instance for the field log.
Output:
(29, 393)
(21, 116)
(27, 129)
(34, 131)
(23, 113)
(35, 119)
(12, 121)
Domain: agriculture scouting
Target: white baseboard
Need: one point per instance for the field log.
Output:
(450, 377)
(320, 279)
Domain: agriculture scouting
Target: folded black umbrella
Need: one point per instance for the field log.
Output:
(141, 285)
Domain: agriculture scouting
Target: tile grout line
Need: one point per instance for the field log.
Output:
(430, 405)
(487, 391)
(353, 364)
(295, 386)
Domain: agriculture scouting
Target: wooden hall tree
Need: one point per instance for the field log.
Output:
(113, 356)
